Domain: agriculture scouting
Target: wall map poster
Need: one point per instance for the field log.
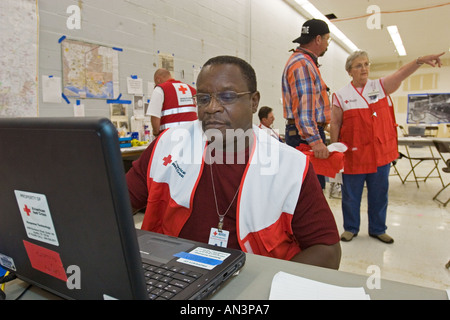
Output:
(89, 70)
(19, 59)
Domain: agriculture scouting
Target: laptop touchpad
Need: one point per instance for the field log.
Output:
(161, 249)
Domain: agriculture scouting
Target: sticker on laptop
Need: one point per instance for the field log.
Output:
(36, 217)
(202, 258)
(7, 262)
(45, 260)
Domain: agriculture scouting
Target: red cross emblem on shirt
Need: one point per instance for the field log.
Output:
(167, 160)
(182, 89)
(27, 210)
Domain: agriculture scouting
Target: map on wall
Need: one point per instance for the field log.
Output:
(89, 70)
(19, 58)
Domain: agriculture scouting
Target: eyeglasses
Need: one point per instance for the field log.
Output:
(360, 66)
(327, 39)
(224, 98)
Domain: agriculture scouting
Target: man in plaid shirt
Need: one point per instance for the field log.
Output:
(305, 99)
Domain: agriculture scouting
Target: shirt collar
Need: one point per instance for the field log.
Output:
(309, 53)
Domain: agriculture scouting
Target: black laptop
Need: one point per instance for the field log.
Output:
(66, 223)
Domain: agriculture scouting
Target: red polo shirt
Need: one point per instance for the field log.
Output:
(313, 222)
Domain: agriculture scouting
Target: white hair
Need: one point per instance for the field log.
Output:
(353, 56)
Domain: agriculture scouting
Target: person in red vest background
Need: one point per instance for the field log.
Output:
(363, 118)
(171, 103)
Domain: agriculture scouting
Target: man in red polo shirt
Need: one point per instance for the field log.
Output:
(193, 198)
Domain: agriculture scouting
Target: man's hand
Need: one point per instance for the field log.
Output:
(321, 151)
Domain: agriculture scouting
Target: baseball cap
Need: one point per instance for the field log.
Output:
(312, 28)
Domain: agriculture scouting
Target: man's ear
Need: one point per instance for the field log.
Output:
(318, 39)
(255, 101)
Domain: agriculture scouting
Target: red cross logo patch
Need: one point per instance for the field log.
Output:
(183, 89)
(167, 160)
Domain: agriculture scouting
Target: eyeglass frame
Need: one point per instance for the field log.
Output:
(328, 40)
(214, 95)
(360, 66)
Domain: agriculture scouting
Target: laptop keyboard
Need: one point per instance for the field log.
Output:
(164, 282)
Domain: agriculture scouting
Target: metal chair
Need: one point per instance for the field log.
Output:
(415, 161)
(394, 165)
(431, 131)
(403, 131)
(442, 148)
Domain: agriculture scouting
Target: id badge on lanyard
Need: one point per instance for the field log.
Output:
(218, 237)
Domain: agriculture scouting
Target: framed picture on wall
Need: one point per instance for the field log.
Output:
(429, 108)
(165, 61)
(118, 110)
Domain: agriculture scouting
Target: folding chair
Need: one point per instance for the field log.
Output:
(394, 165)
(415, 161)
(431, 131)
(401, 155)
(403, 131)
(442, 148)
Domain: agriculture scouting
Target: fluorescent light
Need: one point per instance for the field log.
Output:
(341, 36)
(315, 13)
(309, 7)
(395, 35)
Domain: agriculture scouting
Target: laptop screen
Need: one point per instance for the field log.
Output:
(67, 224)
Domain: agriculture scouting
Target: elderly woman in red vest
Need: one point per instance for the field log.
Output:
(363, 118)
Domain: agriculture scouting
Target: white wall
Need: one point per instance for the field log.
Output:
(259, 31)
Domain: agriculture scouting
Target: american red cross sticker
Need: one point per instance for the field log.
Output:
(27, 210)
(167, 160)
(182, 89)
(346, 101)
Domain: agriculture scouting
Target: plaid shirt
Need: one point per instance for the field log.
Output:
(305, 97)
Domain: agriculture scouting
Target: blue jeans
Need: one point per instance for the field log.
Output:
(377, 200)
(293, 139)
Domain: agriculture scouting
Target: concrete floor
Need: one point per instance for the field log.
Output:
(419, 226)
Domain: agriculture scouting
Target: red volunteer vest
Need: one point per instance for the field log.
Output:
(262, 228)
(178, 106)
(368, 127)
